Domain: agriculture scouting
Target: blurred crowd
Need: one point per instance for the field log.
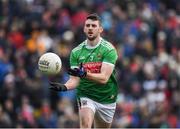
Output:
(146, 34)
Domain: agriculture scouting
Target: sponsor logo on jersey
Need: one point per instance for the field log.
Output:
(93, 67)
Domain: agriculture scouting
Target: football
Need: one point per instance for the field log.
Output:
(49, 63)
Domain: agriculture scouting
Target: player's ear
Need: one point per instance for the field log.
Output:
(101, 29)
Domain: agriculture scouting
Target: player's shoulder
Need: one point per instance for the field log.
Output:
(79, 47)
(107, 45)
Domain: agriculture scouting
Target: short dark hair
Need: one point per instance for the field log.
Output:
(93, 17)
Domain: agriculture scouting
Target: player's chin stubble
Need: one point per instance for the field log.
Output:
(92, 38)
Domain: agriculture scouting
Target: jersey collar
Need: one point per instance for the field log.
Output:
(92, 47)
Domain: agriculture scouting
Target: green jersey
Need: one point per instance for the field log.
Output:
(92, 59)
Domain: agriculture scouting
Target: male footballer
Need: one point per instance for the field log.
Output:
(92, 73)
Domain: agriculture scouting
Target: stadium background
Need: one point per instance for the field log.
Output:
(146, 34)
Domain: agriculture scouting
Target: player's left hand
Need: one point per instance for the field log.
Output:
(57, 86)
(79, 72)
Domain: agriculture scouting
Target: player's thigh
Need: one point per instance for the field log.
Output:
(86, 112)
(86, 116)
(99, 123)
(104, 115)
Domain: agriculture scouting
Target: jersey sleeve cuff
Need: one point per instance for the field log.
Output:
(72, 67)
(109, 63)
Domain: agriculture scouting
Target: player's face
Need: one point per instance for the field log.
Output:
(92, 29)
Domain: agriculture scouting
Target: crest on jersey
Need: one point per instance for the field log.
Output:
(99, 56)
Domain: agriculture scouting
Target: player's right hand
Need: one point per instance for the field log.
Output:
(57, 86)
(79, 72)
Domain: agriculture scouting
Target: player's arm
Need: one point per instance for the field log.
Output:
(69, 85)
(103, 77)
(72, 82)
(107, 67)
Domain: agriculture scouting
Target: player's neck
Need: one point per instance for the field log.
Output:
(93, 42)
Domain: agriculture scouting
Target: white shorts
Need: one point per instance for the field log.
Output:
(104, 111)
